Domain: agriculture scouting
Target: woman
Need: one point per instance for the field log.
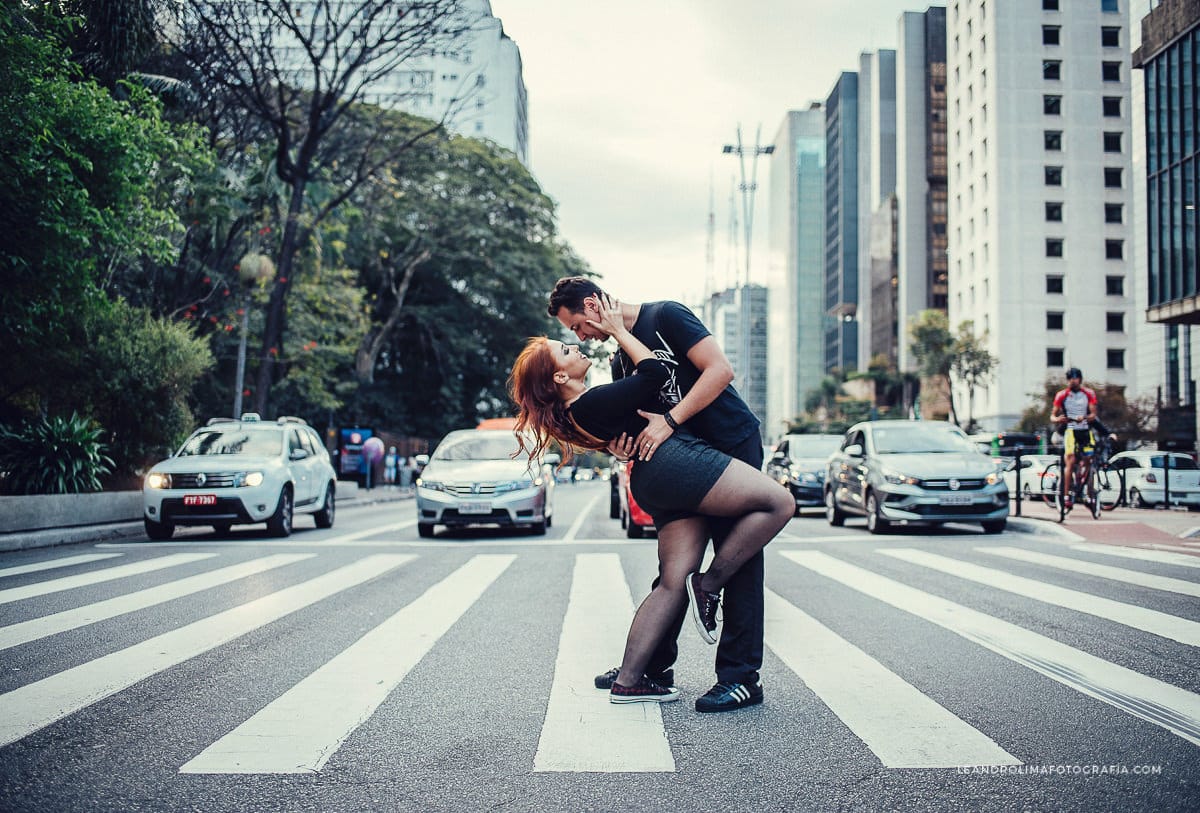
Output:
(679, 484)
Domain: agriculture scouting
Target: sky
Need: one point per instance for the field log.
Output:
(631, 102)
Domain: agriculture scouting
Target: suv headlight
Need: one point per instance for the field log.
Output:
(157, 479)
(898, 479)
(248, 478)
(432, 485)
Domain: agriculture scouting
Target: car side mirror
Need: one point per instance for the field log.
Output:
(854, 450)
(298, 454)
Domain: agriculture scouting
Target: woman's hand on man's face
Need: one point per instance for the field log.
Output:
(609, 318)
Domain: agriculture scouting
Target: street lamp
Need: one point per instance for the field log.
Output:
(748, 189)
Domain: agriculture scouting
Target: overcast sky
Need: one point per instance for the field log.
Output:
(631, 101)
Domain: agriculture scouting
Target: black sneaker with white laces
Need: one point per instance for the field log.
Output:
(606, 680)
(730, 697)
(704, 608)
(646, 691)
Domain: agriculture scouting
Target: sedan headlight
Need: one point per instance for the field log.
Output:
(898, 479)
(432, 485)
(993, 478)
(157, 479)
(804, 476)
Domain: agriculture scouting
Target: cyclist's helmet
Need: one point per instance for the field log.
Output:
(1074, 373)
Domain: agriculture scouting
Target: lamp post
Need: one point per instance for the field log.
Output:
(252, 269)
(748, 189)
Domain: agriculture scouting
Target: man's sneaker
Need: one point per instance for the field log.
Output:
(730, 697)
(704, 608)
(607, 680)
(646, 691)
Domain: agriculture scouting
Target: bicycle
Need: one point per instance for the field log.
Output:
(1098, 483)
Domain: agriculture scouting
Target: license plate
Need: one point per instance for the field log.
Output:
(200, 499)
(475, 508)
(954, 499)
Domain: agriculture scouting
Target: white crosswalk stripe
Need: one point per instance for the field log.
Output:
(1175, 709)
(908, 731)
(1142, 554)
(1119, 574)
(337, 698)
(1168, 626)
(51, 564)
(37, 705)
(98, 576)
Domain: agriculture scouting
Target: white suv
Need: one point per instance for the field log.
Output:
(236, 472)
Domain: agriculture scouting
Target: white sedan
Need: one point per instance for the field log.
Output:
(1034, 480)
(1145, 477)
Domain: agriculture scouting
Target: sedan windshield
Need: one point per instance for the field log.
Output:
(257, 443)
(496, 447)
(909, 439)
(813, 447)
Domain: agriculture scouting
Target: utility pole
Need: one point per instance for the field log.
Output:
(748, 188)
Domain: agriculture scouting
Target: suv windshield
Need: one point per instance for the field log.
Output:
(497, 447)
(907, 439)
(227, 440)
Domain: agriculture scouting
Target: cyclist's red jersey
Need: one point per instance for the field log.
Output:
(1075, 405)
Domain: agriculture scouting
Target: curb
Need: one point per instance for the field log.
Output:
(1041, 527)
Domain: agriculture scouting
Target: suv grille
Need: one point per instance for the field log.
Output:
(214, 480)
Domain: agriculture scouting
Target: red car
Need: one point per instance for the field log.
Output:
(634, 520)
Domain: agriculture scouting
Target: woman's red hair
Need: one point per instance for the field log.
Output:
(541, 416)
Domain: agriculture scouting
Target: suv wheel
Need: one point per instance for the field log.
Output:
(324, 517)
(159, 530)
(835, 515)
(280, 523)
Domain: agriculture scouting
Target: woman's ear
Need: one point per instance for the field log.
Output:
(560, 377)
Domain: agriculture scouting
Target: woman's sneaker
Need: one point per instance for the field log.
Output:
(646, 691)
(606, 680)
(704, 608)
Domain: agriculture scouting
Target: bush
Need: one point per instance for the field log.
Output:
(52, 456)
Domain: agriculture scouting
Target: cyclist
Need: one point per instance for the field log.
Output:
(1075, 410)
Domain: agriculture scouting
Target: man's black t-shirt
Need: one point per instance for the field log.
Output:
(670, 330)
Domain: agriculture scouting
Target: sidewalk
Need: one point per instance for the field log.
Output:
(1172, 530)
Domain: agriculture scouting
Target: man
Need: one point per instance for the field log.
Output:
(698, 395)
(1075, 410)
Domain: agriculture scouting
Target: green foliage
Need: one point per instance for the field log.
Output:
(57, 455)
(1135, 419)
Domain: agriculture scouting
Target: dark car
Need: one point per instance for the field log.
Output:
(913, 471)
(799, 462)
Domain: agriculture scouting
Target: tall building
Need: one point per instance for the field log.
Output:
(884, 318)
(876, 178)
(1168, 56)
(921, 171)
(738, 320)
(1038, 112)
(841, 224)
(795, 266)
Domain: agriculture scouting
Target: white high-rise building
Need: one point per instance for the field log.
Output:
(1040, 193)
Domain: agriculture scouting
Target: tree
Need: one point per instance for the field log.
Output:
(972, 365)
(1131, 419)
(933, 348)
(305, 97)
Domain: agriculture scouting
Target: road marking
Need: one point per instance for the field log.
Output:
(1175, 548)
(583, 731)
(570, 537)
(36, 705)
(98, 576)
(808, 540)
(25, 631)
(1159, 557)
(1141, 618)
(304, 727)
(1103, 571)
(449, 542)
(1171, 707)
(290, 543)
(50, 564)
(908, 730)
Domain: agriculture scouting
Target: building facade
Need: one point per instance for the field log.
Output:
(921, 192)
(841, 224)
(738, 320)
(1040, 190)
(795, 266)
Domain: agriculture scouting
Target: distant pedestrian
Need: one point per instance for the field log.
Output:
(406, 473)
(389, 466)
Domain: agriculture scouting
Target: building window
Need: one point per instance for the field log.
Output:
(1112, 142)
(1054, 247)
(1112, 106)
(1054, 283)
(1053, 140)
(1112, 177)
(1054, 176)
(1114, 249)
(1110, 36)
(1054, 320)
(1051, 69)
(1110, 71)
(1054, 211)
(1114, 322)
(1054, 357)
(1050, 34)
(1114, 286)
(1114, 213)
(1110, 6)
(1049, 5)
(1116, 359)
(1052, 105)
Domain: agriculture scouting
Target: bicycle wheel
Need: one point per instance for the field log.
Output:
(1107, 492)
(1051, 488)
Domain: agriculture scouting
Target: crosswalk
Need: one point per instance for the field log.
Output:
(897, 718)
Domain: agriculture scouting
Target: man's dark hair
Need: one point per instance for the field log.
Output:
(569, 293)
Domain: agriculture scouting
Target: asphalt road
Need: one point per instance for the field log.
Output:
(361, 668)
